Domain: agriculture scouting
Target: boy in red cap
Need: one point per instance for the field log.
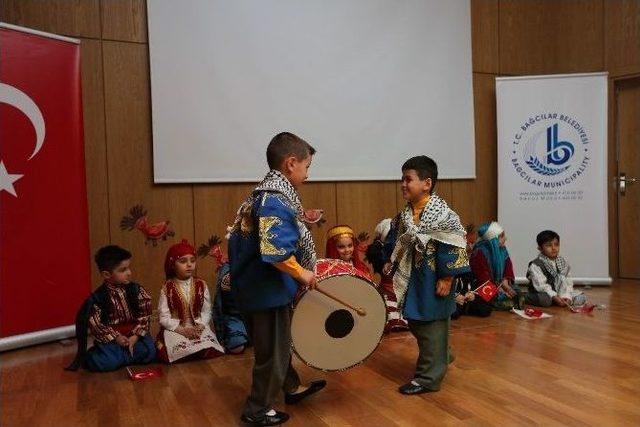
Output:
(184, 310)
(117, 314)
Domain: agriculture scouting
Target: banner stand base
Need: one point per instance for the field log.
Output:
(39, 337)
(579, 281)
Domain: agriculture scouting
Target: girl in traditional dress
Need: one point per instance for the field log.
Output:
(185, 310)
(342, 244)
(490, 262)
(377, 257)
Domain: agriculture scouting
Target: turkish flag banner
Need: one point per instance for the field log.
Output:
(44, 236)
(487, 291)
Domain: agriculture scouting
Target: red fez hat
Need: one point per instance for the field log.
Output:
(174, 253)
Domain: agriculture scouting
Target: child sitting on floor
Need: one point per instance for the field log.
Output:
(227, 318)
(490, 262)
(548, 275)
(377, 257)
(117, 314)
(465, 285)
(184, 310)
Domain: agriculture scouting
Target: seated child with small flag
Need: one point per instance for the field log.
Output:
(227, 319)
(548, 274)
(471, 299)
(492, 267)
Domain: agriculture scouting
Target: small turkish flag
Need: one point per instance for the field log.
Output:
(44, 236)
(487, 291)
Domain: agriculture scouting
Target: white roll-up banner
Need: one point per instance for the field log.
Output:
(552, 169)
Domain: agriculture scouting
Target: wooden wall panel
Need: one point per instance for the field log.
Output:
(95, 149)
(622, 36)
(128, 124)
(461, 201)
(546, 37)
(484, 36)
(361, 205)
(124, 20)
(400, 201)
(76, 18)
(321, 195)
(445, 190)
(485, 194)
(214, 208)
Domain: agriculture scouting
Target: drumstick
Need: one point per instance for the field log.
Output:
(360, 311)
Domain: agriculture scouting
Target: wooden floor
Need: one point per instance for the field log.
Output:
(572, 369)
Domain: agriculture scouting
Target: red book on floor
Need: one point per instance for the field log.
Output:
(143, 372)
(487, 291)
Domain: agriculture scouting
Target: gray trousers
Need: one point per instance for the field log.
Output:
(540, 299)
(270, 332)
(433, 351)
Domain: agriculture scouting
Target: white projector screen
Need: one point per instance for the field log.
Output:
(369, 83)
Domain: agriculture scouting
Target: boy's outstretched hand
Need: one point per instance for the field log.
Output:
(443, 286)
(308, 279)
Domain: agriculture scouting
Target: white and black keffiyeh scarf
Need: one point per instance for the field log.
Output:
(276, 182)
(437, 222)
(558, 269)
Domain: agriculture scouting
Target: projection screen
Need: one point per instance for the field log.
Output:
(368, 83)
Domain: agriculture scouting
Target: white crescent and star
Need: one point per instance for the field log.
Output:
(7, 180)
(20, 100)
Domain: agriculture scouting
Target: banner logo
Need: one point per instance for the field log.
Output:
(550, 150)
(20, 100)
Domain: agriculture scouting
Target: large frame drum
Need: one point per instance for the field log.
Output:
(326, 334)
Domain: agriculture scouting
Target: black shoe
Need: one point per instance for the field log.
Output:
(314, 386)
(266, 420)
(411, 389)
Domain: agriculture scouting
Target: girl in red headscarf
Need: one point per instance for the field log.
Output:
(342, 244)
(185, 310)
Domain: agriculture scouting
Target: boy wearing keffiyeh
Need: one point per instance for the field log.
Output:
(427, 248)
(271, 255)
(548, 275)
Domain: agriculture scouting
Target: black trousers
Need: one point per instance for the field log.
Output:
(477, 307)
(270, 332)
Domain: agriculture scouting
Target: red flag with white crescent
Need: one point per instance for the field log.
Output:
(44, 236)
(487, 291)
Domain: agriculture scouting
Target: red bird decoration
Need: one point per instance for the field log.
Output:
(137, 219)
(313, 216)
(362, 242)
(212, 249)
